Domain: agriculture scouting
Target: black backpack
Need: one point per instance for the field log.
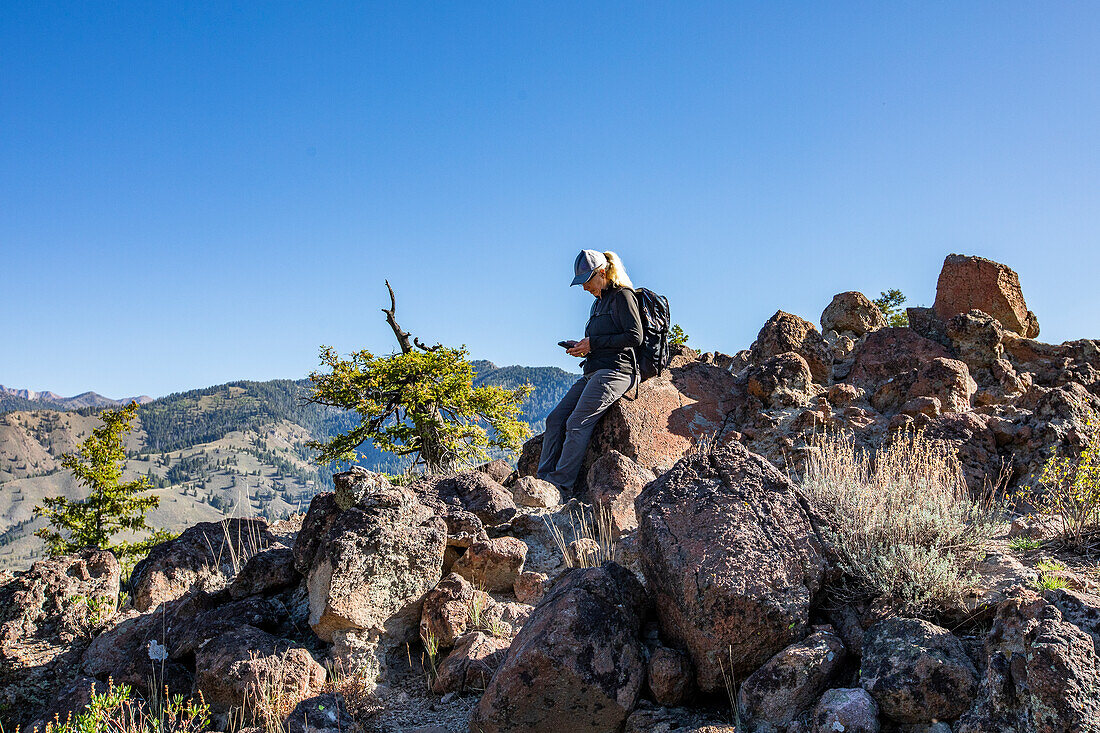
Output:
(653, 355)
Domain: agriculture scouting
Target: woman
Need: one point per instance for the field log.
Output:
(614, 329)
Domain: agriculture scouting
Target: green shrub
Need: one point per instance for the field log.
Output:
(1023, 544)
(901, 520)
(1069, 486)
(119, 711)
(1051, 575)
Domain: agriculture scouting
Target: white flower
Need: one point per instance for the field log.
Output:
(157, 652)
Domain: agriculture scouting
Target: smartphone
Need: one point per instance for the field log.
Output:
(567, 344)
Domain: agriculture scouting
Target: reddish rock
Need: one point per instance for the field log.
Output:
(445, 615)
(929, 406)
(493, 565)
(792, 681)
(235, 667)
(842, 394)
(688, 402)
(471, 664)
(888, 352)
(577, 665)
(783, 380)
(967, 283)
(852, 311)
(976, 338)
(507, 618)
(708, 509)
(318, 521)
(669, 675)
(530, 587)
(497, 470)
(785, 332)
(48, 615)
(916, 671)
(615, 481)
(947, 380)
(533, 492)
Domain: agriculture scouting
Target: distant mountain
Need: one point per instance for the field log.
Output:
(235, 449)
(49, 400)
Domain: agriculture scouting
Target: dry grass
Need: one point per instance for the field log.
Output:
(903, 521)
(591, 527)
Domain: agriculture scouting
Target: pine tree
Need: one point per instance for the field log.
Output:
(113, 506)
(420, 402)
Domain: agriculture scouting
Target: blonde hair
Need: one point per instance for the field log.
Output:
(616, 273)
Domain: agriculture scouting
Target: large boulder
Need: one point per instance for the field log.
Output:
(851, 311)
(614, 481)
(688, 402)
(785, 332)
(731, 555)
(1042, 673)
(471, 664)
(204, 557)
(578, 663)
(791, 682)
(244, 666)
(976, 338)
(369, 573)
(916, 671)
(967, 283)
(48, 615)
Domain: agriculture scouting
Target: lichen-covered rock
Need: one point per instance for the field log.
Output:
(669, 675)
(203, 557)
(577, 665)
(369, 573)
(968, 283)
(852, 311)
(506, 618)
(268, 571)
(471, 664)
(733, 519)
(976, 338)
(649, 718)
(948, 380)
(446, 610)
(790, 682)
(497, 470)
(783, 380)
(234, 669)
(320, 516)
(916, 671)
(48, 615)
(354, 485)
(614, 481)
(1042, 673)
(530, 587)
(533, 492)
(785, 332)
(472, 491)
(846, 710)
(493, 565)
(170, 637)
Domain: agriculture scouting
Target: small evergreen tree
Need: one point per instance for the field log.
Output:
(420, 402)
(676, 336)
(111, 507)
(889, 303)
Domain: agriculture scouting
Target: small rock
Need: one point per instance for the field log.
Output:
(846, 710)
(530, 587)
(493, 565)
(670, 676)
(534, 492)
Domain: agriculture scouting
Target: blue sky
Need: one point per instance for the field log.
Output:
(200, 192)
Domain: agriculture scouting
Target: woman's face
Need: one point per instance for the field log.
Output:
(597, 282)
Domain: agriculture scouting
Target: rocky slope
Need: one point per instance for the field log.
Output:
(448, 604)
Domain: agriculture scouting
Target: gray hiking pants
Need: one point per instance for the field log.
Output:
(569, 426)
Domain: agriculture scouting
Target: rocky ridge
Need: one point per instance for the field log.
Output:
(448, 605)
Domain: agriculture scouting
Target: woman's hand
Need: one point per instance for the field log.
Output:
(581, 349)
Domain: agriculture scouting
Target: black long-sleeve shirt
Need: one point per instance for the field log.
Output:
(614, 329)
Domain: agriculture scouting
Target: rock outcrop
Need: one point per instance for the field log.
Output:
(968, 283)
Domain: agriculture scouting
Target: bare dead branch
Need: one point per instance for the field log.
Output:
(391, 318)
